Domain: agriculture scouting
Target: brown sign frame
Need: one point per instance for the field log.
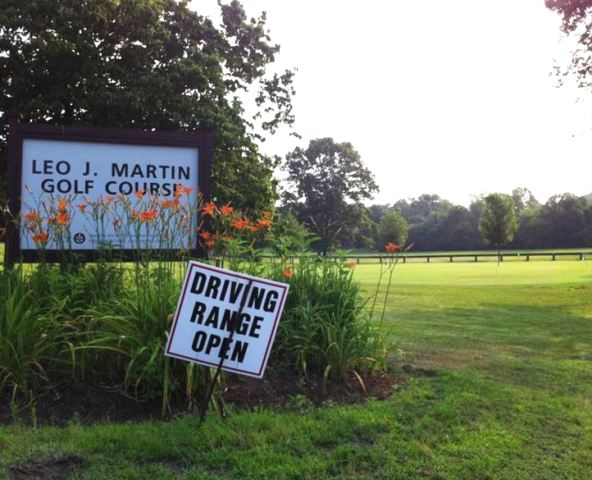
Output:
(203, 141)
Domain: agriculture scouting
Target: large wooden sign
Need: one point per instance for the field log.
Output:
(86, 167)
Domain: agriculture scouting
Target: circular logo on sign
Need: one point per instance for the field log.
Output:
(79, 238)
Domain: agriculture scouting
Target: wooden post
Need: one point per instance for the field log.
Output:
(428, 258)
(450, 258)
(553, 257)
(475, 258)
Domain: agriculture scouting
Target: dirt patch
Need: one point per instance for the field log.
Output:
(52, 468)
(283, 390)
(87, 404)
(83, 404)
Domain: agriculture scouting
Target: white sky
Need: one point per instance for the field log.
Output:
(453, 98)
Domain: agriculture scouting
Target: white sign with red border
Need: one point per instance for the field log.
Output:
(209, 309)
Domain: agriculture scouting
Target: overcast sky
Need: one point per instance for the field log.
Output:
(454, 98)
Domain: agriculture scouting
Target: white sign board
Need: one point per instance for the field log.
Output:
(84, 171)
(208, 311)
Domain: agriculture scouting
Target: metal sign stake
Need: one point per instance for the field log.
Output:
(206, 402)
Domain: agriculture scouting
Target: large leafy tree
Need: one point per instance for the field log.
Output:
(497, 224)
(327, 183)
(150, 64)
(577, 20)
(392, 228)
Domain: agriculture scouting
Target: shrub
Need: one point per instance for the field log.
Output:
(326, 328)
(29, 340)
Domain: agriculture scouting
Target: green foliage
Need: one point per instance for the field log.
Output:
(327, 183)
(107, 323)
(95, 63)
(497, 224)
(392, 228)
(29, 339)
(326, 328)
(288, 236)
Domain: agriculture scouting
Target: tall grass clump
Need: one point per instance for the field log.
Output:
(30, 342)
(326, 328)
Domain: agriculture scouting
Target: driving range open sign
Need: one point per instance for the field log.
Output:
(226, 319)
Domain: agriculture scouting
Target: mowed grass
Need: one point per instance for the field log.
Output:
(502, 390)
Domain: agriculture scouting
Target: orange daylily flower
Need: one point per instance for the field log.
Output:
(268, 214)
(32, 216)
(209, 208)
(391, 247)
(182, 190)
(170, 204)
(62, 205)
(62, 219)
(350, 264)
(226, 210)
(148, 216)
(139, 194)
(263, 224)
(206, 236)
(82, 208)
(287, 273)
(240, 224)
(40, 237)
(116, 223)
(209, 244)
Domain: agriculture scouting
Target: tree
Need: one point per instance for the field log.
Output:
(565, 221)
(576, 21)
(392, 228)
(326, 184)
(497, 224)
(149, 64)
(523, 198)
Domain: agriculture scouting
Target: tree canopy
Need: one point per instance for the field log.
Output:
(392, 228)
(149, 64)
(497, 224)
(327, 182)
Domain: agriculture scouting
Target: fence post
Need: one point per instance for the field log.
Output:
(450, 258)
(428, 258)
(475, 258)
(553, 258)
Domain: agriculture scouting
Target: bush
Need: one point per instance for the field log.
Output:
(326, 328)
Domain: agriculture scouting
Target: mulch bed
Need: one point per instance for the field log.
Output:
(87, 404)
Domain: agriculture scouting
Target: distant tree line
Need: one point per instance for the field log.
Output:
(434, 223)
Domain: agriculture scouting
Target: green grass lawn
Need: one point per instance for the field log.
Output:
(506, 393)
